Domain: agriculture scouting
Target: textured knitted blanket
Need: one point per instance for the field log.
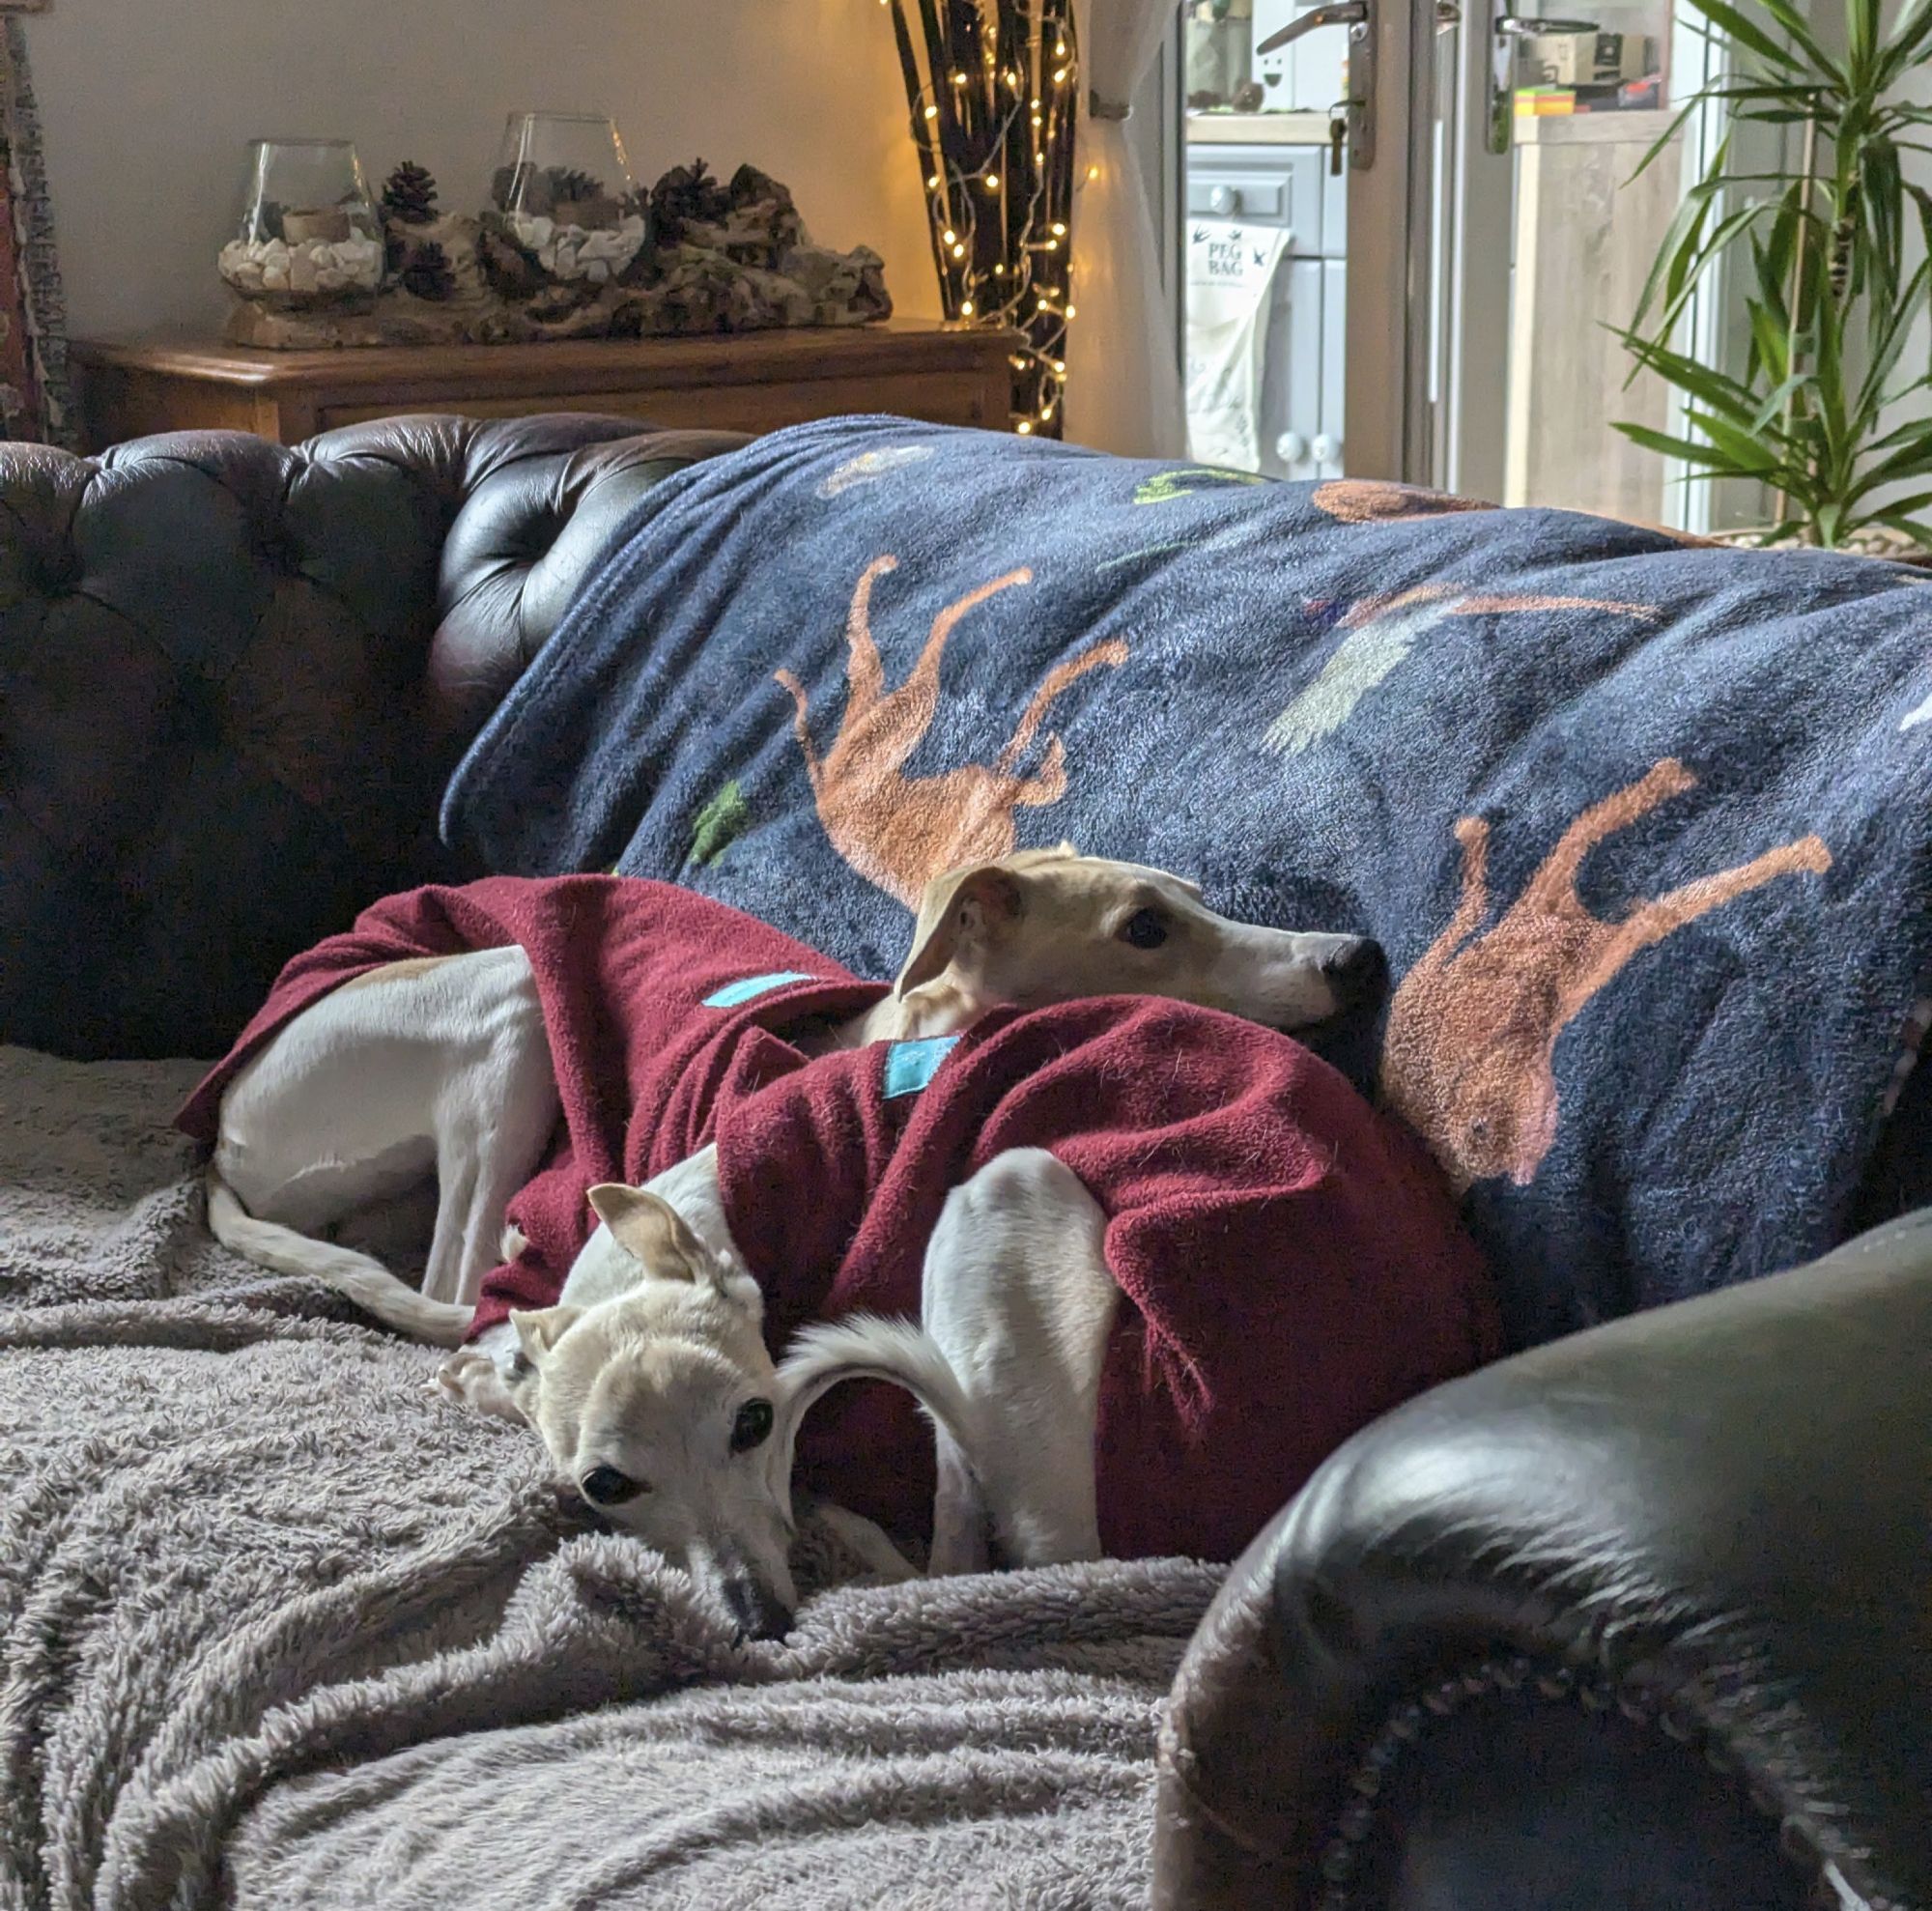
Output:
(1646, 829)
(280, 1629)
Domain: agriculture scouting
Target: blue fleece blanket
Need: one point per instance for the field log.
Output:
(1644, 827)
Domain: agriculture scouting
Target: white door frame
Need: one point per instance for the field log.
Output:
(1482, 192)
(1390, 429)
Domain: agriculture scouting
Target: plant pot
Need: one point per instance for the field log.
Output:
(1888, 546)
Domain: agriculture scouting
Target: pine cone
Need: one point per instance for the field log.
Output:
(567, 182)
(688, 194)
(427, 274)
(408, 195)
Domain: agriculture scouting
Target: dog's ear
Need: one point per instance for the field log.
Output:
(538, 1330)
(978, 902)
(650, 1230)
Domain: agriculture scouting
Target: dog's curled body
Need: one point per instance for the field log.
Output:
(653, 1000)
(1289, 1265)
(1291, 1262)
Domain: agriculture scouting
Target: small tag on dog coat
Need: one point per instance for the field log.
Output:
(911, 1065)
(735, 993)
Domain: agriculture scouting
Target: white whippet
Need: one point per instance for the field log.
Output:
(652, 1369)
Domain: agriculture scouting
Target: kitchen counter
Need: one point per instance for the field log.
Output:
(1257, 129)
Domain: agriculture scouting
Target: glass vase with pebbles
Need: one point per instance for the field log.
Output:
(309, 235)
(564, 197)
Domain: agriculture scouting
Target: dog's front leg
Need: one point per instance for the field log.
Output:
(961, 1534)
(1018, 1298)
(472, 1378)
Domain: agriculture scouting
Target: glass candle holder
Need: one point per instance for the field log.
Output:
(566, 197)
(309, 234)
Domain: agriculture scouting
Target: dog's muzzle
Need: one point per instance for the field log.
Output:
(1357, 973)
(758, 1613)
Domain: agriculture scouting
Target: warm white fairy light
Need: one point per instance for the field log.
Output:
(971, 89)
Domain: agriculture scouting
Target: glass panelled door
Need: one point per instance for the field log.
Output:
(1410, 228)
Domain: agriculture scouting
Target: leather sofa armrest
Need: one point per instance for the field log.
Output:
(1713, 1519)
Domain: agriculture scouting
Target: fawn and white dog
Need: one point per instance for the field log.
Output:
(649, 1381)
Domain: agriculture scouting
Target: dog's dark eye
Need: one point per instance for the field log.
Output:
(753, 1425)
(606, 1486)
(520, 1368)
(1144, 929)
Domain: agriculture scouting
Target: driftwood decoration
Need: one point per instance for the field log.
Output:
(715, 258)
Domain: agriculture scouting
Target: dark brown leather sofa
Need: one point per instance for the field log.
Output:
(1642, 1619)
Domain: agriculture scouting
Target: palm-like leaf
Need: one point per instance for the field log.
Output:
(1830, 295)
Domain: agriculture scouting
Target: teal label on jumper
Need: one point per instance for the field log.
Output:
(911, 1065)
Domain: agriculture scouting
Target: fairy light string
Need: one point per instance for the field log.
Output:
(993, 89)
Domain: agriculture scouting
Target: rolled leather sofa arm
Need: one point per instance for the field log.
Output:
(1655, 1599)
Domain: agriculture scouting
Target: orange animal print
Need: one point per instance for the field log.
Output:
(1373, 500)
(1473, 1026)
(900, 831)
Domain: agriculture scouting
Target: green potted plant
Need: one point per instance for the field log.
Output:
(1830, 296)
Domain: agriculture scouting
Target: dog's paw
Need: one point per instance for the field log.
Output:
(470, 1379)
(512, 1241)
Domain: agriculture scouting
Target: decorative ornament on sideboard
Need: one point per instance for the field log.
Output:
(309, 237)
(564, 208)
(565, 251)
(994, 89)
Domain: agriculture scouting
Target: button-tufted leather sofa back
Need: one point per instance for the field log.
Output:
(234, 677)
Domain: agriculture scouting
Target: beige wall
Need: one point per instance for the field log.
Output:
(147, 106)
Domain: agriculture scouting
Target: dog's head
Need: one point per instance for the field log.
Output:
(1049, 925)
(657, 1407)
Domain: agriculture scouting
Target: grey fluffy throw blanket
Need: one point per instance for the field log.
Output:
(279, 1628)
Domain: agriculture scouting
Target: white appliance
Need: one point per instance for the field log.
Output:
(1309, 75)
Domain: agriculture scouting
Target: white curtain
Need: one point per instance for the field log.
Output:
(1122, 376)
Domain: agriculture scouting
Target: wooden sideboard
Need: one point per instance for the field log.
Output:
(751, 382)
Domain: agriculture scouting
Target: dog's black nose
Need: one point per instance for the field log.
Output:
(759, 1615)
(1357, 972)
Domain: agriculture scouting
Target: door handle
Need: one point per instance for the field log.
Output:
(1358, 110)
(1514, 26)
(1339, 13)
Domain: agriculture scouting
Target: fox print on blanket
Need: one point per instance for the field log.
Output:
(900, 831)
(1473, 1027)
